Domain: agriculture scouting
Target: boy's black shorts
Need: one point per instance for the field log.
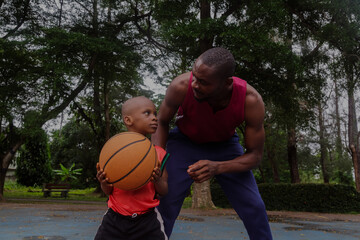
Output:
(148, 226)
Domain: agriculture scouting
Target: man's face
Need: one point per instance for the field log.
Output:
(205, 83)
(144, 118)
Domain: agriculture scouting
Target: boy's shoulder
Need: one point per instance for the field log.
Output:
(160, 151)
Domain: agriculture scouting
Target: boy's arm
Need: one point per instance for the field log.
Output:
(160, 175)
(101, 177)
(161, 184)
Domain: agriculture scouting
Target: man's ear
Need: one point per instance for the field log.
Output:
(128, 120)
(229, 82)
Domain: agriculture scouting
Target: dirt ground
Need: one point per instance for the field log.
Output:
(274, 216)
(278, 216)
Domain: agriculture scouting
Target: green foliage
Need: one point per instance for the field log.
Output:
(67, 174)
(301, 197)
(94, 61)
(33, 164)
(76, 144)
(310, 197)
(17, 191)
(275, 152)
(343, 177)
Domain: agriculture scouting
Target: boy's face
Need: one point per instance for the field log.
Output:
(143, 118)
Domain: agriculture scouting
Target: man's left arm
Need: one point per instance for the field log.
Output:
(254, 143)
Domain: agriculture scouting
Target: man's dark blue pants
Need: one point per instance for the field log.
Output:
(240, 188)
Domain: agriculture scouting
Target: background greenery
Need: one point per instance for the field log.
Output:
(66, 67)
(309, 197)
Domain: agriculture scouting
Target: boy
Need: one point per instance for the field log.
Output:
(132, 214)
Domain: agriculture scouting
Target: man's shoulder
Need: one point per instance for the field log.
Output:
(252, 92)
(181, 81)
(177, 89)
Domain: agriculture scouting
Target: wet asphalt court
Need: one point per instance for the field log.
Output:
(30, 222)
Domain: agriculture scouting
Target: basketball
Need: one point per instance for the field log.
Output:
(128, 159)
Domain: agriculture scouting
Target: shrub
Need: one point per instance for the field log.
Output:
(33, 162)
(301, 197)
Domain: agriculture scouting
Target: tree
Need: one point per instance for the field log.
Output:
(65, 54)
(345, 22)
(33, 162)
(45, 92)
(190, 28)
(261, 35)
(76, 144)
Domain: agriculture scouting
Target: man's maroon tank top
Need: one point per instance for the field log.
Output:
(198, 121)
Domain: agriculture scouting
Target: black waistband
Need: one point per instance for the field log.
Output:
(134, 216)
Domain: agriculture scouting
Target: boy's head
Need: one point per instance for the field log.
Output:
(139, 115)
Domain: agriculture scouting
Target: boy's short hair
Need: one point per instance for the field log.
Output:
(128, 107)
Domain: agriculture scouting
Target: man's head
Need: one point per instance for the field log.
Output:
(220, 60)
(139, 115)
(212, 74)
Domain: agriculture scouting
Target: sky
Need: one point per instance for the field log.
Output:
(55, 124)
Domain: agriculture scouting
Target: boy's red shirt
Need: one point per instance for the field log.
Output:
(138, 201)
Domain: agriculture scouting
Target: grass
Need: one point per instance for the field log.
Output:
(16, 192)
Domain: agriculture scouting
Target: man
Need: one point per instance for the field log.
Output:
(210, 103)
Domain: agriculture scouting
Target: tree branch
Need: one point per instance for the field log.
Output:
(21, 22)
(231, 10)
(47, 115)
(147, 32)
(313, 52)
(86, 117)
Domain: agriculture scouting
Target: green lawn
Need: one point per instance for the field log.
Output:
(16, 192)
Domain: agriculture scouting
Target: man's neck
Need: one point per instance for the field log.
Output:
(221, 101)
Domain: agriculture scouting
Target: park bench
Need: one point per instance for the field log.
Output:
(48, 188)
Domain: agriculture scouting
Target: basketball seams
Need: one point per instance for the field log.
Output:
(133, 169)
(137, 141)
(140, 162)
(147, 180)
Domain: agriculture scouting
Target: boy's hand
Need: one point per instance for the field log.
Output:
(101, 176)
(156, 175)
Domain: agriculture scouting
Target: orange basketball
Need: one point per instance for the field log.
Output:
(128, 159)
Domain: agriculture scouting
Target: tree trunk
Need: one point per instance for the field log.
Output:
(354, 137)
(270, 146)
(338, 143)
(291, 141)
(274, 167)
(206, 41)
(292, 156)
(201, 191)
(322, 142)
(262, 175)
(202, 196)
(107, 111)
(5, 162)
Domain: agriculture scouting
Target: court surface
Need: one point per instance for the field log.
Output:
(19, 221)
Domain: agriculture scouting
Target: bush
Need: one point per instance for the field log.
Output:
(301, 197)
(33, 162)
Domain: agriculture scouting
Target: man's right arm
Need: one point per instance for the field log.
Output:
(175, 95)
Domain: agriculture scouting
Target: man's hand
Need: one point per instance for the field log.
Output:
(203, 170)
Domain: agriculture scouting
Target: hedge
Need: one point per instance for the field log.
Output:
(300, 197)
